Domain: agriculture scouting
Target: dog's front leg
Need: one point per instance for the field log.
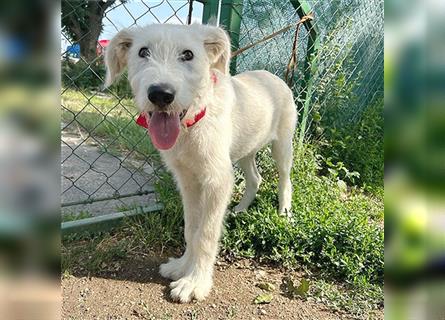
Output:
(203, 247)
(190, 189)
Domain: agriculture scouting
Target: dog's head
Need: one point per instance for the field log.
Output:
(169, 68)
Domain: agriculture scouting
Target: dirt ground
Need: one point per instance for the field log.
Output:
(135, 290)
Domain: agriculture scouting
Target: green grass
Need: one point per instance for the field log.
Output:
(335, 236)
(339, 233)
(93, 254)
(71, 216)
(109, 120)
(359, 146)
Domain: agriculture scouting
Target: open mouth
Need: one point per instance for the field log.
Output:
(181, 115)
(164, 128)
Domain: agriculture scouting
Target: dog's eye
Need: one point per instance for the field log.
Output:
(187, 55)
(144, 52)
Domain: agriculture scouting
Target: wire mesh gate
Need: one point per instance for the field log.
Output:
(108, 163)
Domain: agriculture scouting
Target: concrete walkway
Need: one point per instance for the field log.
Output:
(91, 167)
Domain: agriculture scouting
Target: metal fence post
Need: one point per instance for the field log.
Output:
(310, 64)
(231, 13)
(210, 10)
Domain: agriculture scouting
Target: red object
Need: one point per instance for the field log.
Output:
(104, 43)
(101, 44)
(198, 116)
(142, 120)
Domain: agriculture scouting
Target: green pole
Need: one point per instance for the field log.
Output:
(310, 65)
(210, 10)
(308, 84)
(231, 14)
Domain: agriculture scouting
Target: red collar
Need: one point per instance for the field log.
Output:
(143, 118)
(196, 118)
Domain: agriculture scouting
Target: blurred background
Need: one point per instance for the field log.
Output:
(29, 153)
(414, 159)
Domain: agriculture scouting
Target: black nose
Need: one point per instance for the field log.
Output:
(161, 94)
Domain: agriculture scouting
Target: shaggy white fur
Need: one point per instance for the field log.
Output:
(243, 113)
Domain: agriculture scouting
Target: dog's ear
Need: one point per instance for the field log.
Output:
(217, 45)
(116, 55)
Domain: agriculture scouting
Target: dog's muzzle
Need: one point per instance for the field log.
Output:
(161, 95)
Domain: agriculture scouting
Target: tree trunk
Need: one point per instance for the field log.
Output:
(88, 43)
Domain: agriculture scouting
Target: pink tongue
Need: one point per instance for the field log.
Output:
(164, 129)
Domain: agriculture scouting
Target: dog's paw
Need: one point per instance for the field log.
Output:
(173, 269)
(285, 212)
(188, 288)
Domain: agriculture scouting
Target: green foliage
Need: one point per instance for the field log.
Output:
(263, 298)
(362, 301)
(116, 132)
(92, 254)
(335, 87)
(359, 146)
(82, 76)
(77, 16)
(293, 290)
(160, 229)
(82, 23)
(336, 233)
(71, 216)
(348, 133)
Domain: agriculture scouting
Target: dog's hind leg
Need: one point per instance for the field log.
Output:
(253, 181)
(282, 152)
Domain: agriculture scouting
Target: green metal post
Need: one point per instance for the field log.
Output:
(310, 64)
(106, 222)
(310, 68)
(210, 10)
(231, 14)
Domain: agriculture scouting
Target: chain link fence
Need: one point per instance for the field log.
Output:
(339, 60)
(342, 65)
(108, 162)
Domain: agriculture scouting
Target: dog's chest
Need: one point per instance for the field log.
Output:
(197, 149)
(189, 151)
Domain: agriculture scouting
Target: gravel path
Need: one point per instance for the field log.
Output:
(134, 290)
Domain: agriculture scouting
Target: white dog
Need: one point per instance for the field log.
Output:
(202, 120)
